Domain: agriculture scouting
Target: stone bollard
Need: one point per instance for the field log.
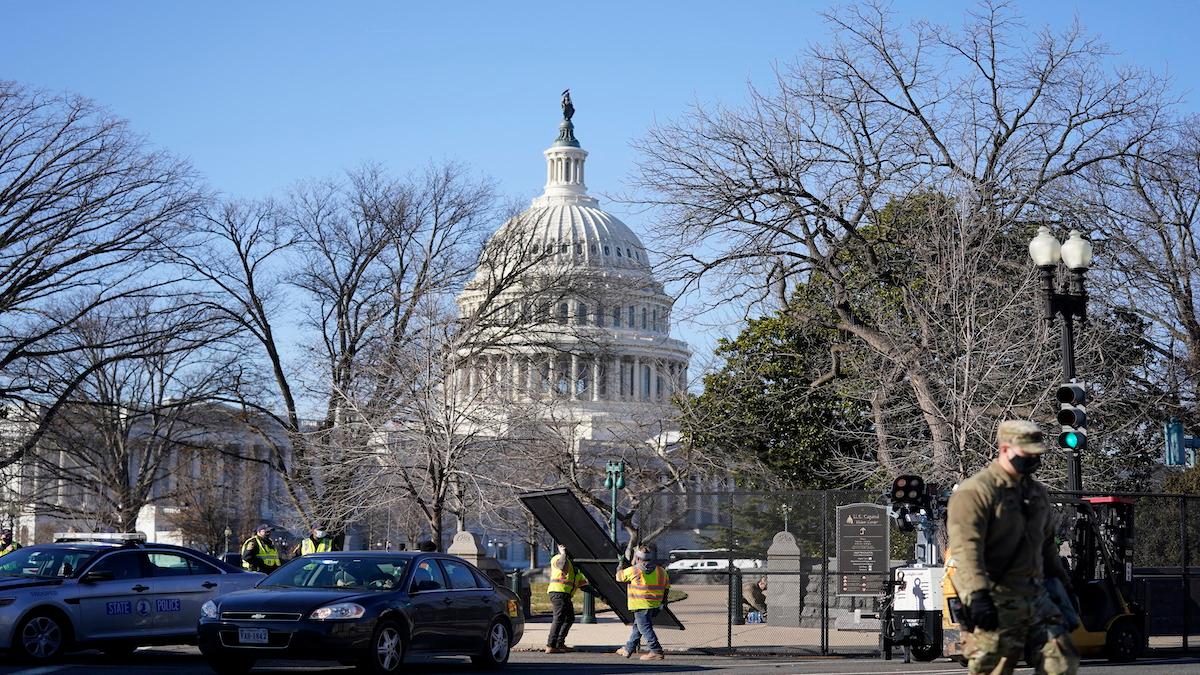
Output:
(466, 546)
(784, 590)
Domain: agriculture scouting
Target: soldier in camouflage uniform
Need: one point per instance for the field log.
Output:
(1002, 535)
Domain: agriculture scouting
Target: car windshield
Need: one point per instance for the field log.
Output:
(366, 573)
(44, 563)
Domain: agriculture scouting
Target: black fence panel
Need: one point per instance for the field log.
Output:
(719, 545)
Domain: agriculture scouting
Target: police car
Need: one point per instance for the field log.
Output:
(112, 592)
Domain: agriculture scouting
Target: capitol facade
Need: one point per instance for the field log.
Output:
(599, 352)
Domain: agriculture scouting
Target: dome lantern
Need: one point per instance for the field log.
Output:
(564, 164)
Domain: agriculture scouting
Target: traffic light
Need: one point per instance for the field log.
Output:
(908, 490)
(1072, 415)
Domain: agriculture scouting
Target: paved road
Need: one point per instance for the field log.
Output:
(187, 661)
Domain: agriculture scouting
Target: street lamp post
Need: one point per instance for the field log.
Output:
(614, 480)
(1070, 303)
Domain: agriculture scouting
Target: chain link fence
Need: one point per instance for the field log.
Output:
(718, 545)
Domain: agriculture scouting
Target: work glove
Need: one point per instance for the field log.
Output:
(983, 611)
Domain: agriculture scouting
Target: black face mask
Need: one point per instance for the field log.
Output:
(1026, 464)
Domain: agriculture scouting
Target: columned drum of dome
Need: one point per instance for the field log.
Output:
(603, 353)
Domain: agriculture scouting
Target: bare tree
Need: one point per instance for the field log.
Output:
(985, 131)
(1146, 207)
(354, 262)
(85, 207)
(217, 505)
(115, 444)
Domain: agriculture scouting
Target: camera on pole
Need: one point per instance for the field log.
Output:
(1072, 415)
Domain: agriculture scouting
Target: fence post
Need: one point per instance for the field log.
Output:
(1184, 554)
(824, 572)
(729, 566)
(735, 596)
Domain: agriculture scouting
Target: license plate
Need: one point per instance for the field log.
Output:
(252, 636)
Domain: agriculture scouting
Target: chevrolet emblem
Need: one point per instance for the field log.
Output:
(258, 616)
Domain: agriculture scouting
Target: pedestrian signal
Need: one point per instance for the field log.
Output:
(1072, 415)
(908, 490)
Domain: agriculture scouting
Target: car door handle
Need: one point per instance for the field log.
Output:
(139, 588)
(446, 600)
(209, 584)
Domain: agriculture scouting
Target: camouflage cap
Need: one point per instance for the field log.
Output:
(1025, 435)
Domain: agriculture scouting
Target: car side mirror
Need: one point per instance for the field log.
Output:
(97, 575)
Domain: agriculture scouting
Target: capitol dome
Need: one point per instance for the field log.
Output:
(593, 335)
(581, 234)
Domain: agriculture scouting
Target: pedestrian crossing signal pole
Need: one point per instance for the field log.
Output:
(1068, 303)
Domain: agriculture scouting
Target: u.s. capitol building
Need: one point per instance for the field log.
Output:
(600, 355)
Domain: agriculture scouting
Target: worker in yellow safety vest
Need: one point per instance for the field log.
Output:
(259, 553)
(647, 594)
(318, 542)
(564, 580)
(7, 543)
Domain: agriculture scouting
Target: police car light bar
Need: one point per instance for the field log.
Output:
(111, 537)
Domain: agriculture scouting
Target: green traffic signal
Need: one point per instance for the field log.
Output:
(1072, 440)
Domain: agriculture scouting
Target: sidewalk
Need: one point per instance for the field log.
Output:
(703, 615)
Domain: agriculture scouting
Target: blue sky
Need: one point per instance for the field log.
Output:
(260, 94)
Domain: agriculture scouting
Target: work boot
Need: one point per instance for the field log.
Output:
(552, 650)
(565, 649)
(653, 656)
(622, 652)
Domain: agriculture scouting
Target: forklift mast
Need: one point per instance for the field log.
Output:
(1114, 526)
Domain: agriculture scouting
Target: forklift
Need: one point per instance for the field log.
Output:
(1099, 558)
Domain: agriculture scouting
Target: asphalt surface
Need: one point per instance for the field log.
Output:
(186, 660)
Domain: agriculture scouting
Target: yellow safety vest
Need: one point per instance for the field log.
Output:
(563, 577)
(268, 555)
(646, 589)
(306, 546)
(10, 548)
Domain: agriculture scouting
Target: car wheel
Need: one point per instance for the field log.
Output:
(497, 646)
(1124, 641)
(42, 637)
(386, 653)
(229, 665)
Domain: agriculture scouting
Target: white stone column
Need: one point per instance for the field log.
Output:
(596, 379)
(654, 381)
(637, 379)
(574, 384)
(471, 378)
(552, 375)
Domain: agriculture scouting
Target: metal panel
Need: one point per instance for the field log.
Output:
(593, 553)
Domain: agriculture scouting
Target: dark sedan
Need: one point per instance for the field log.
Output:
(364, 608)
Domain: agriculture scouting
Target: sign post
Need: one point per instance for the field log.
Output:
(863, 538)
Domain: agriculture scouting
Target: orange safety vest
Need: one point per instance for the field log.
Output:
(646, 589)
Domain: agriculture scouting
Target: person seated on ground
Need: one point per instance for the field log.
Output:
(754, 594)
